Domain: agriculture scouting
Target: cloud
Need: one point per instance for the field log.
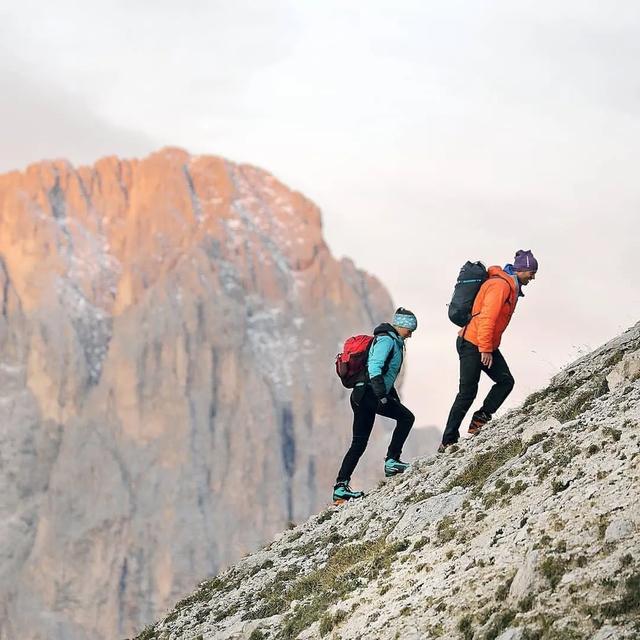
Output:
(39, 120)
(442, 130)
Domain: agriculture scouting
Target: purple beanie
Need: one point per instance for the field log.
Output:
(524, 261)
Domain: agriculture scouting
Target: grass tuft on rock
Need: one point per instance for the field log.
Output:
(328, 622)
(445, 531)
(499, 622)
(630, 601)
(553, 569)
(205, 592)
(484, 464)
(148, 634)
(346, 568)
(465, 627)
(581, 401)
(422, 542)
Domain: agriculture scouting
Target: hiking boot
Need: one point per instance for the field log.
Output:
(443, 447)
(343, 492)
(479, 419)
(393, 467)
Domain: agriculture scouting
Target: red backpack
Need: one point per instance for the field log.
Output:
(351, 364)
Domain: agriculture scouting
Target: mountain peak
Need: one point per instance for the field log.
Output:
(163, 324)
(139, 217)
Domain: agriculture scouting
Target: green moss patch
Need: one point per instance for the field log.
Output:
(418, 544)
(553, 569)
(484, 464)
(465, 627)
(205, 592)
(628, 604)
(148, 634)
(581, 401)
(326, 515)
(552, 393)
(328, 622)
(499, 623)
(347, 567)
(445, 530)
(614, 434)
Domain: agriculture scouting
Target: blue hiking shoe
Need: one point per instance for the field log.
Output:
(394, 467)
(343, 492)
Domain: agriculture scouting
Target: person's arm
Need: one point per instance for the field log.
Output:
(491, 305)
(377, 357)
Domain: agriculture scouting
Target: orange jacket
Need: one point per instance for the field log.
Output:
(492, 309)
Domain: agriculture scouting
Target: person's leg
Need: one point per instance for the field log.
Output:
(500, 374)
(363, 404)
(470, 368)
(404, 421)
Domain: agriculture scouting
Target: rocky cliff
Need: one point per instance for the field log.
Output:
(530, 531)
(167, 335)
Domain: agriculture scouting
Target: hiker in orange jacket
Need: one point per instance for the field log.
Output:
(477, 344)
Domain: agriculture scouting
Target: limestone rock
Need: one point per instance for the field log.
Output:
(626, 371)
(513, 633)
(618, 529)
(543, 427)
(167, 400)
(527, 577)
(494, 539)
(418, 517)
(607, 633)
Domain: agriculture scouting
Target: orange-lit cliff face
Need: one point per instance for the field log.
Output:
(167, 400)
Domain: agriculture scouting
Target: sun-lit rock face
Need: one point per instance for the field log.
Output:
(167, 401)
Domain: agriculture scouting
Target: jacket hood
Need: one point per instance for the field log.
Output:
(509, 268)
(512, 280)
(385, 327)
(495, 270)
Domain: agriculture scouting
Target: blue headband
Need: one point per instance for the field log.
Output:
(405, 320)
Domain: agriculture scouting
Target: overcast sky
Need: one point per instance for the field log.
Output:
(445, 130)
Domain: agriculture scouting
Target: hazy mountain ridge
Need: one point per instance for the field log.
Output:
(530, 531)
(163, 321)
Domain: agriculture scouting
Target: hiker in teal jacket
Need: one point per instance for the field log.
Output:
(388, 344)
(378, 396)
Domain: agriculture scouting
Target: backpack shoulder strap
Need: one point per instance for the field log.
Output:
(389, 357)
(387, 361)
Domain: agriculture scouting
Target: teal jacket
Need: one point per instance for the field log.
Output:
(388, 344)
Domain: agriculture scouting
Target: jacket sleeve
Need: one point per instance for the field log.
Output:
(377, 356)
(494, 298)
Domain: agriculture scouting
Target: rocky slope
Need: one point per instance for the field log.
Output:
(167, 335)
(529, 531)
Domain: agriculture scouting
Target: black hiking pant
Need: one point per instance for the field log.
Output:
(365, 407)
(470, 368)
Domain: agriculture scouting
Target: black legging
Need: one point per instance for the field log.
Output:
(470, 368)
(365, 406)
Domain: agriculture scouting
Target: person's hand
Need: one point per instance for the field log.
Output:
(486, 359)
(377, 384)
